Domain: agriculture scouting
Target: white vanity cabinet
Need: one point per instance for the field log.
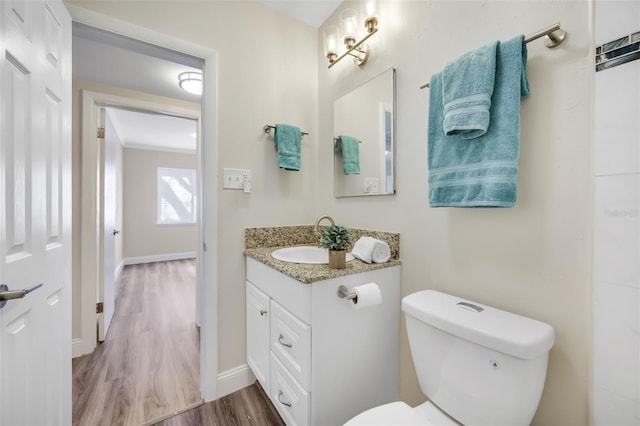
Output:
(321, 360)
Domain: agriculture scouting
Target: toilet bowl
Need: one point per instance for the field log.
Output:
(477, 364)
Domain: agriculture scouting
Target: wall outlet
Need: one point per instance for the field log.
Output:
(371, 185)
(234, 178)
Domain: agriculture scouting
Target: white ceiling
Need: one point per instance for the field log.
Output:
(116, 61)
(144, 130)
(311, 12)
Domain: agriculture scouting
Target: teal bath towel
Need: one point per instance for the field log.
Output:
(350, 155)
(287, 140)
(467, 87)
(481, 172)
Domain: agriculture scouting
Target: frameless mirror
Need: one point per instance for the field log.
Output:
(363, 127)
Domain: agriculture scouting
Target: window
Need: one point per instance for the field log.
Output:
(176, 196)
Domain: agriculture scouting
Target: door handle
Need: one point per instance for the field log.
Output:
(6, 294)
(116, 232)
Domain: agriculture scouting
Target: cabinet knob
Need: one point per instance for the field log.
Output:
(281, 401)
(283, 343)
(263, 312)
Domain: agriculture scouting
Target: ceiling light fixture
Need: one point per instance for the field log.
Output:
(191, 82)
(349, 24)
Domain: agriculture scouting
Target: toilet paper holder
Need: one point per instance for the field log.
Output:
(344, 293)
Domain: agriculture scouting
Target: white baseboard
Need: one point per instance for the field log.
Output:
(235, 379)
(158, 258)
(76, 348)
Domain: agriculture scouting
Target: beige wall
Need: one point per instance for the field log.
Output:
(532, 259)
(141, 234)
(266, 73)
(76, 158)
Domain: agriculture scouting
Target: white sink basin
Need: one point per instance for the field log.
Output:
(304, 254)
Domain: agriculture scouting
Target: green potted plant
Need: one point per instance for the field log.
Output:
(336, 238)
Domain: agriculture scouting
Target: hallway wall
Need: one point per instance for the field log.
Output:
(143, 237)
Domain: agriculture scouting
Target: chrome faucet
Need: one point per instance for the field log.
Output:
(316, 227)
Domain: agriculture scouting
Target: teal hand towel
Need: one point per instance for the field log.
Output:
(350, 155)
(482, 172)
(287, 140)
(467, 87)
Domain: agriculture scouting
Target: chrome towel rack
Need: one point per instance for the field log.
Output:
(267, 129)
(553, 34)
(336, 140)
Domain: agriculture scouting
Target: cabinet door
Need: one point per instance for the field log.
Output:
(258, 326)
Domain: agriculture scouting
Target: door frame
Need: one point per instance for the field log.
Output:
(207, 251)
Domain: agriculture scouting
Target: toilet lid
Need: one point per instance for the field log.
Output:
(395, 413)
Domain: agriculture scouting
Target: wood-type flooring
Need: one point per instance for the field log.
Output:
(148, 367)
(247, 407)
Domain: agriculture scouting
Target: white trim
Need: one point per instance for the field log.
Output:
(114, 25)
(76, 348)
(118, 270)
(131, 145)
(208, 226)
(159, 258)
(235, 379)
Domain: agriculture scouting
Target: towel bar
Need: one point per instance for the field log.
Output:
(336, 140)
(267, 129)
(555, 36)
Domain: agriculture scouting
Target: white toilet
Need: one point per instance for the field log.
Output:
(478, 365)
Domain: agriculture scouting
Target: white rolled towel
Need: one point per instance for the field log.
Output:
(369, 249)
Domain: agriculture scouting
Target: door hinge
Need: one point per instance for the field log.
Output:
(100, 133)
(99, 308)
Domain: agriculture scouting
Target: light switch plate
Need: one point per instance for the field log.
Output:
(233, 178)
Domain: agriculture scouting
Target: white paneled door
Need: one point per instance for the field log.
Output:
(35, 212)
(106, 259)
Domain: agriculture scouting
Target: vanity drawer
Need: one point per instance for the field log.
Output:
(291, 400)
(291, 343)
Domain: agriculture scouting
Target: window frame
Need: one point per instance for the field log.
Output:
(176, 173)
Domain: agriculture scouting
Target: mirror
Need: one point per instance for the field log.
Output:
(363, 127)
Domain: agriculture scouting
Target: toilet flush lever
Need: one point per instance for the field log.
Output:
(470, 306)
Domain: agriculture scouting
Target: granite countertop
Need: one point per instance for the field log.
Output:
(260, 242)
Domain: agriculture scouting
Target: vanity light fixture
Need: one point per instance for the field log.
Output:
(191, 82)
(349, 26)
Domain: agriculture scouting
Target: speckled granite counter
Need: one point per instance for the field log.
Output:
(260, 242)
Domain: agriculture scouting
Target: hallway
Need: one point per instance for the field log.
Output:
(149, 365)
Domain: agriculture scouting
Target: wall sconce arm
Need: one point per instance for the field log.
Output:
(356, 48)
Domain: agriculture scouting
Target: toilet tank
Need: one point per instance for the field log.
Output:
(480, 365)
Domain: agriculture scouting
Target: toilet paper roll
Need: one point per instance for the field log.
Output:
(366, 295)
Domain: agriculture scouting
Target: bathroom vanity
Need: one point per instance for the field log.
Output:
(319, 358)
